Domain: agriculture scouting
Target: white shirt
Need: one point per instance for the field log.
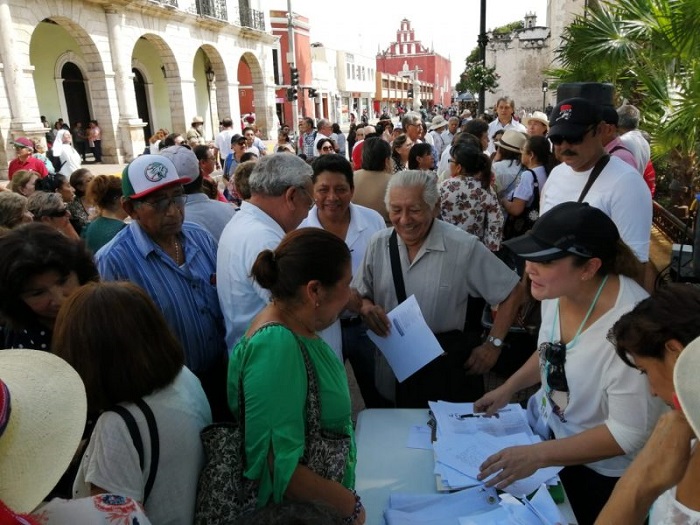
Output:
(526, 187)
(111, 461)
(619, 192)
(223, 142)
(639, 147)
(496, 125)
(602, 388)
(249, 232)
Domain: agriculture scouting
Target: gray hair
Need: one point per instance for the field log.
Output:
(454, 119)
(322, 123)
(411, 178)
(12, 206)
(274, 174)
(411, 118)
(628, 117)
(42, 203)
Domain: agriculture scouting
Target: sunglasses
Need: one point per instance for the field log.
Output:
(571, 139)
(555, 356)
(327, 148)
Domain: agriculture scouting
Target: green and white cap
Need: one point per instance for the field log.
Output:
(149, 173)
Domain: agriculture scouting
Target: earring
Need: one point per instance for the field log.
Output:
(317, 305)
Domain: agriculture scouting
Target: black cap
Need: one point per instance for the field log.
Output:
(237, 138)
(573, 116)
(570, 228)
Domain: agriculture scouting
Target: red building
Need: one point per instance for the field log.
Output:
(407, 53)
(302, 52)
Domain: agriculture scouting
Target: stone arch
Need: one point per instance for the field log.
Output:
(81, 64)
(172, 77)
(221, 102)
(263, 111)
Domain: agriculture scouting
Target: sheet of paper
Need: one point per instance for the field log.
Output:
(547, 508)
(419, 437)
(410, 345)
(454, 479)
(460, 418)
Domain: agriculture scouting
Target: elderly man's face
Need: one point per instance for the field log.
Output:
(452, 125)
(162, 213)
(414, 130)
(410, 215)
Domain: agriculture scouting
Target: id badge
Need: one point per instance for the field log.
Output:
(545, 408)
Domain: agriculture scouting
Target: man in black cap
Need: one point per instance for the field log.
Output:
(588, 174)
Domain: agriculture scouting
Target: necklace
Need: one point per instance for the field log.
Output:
(176, 243)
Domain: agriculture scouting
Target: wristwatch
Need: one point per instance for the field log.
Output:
(495, 341)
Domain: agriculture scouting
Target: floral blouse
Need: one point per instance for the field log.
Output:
(464, 203)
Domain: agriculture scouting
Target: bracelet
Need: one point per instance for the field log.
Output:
(356, 511)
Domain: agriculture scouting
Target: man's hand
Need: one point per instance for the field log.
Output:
(375, 318)
(482, 359)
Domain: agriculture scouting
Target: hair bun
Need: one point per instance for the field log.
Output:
(265, 269)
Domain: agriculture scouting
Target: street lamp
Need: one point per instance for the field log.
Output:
(211, 77)
(545, 88)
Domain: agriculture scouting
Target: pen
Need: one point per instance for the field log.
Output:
(464, 416)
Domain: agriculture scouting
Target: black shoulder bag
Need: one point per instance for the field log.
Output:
(597, 169)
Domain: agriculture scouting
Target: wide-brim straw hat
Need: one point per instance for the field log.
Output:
(537, 116)
(47, 409)
(438, 122)
(512, 141)
(686, 384)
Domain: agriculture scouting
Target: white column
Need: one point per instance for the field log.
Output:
(121, 64)
(15, 74)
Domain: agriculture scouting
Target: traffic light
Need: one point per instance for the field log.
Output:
(312, 93)
(294, 75)
(410, 92)
(292, 94)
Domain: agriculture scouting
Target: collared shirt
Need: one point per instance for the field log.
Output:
(307, 142)
(634, 141)
(186, 295)
(31, 164)
(496, 125)
(249, 232)
(364, 223)
(450, 266)
(211, 215)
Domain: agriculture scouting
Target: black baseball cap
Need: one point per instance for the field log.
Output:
(573, 116)
(570, 228)
(237, 138)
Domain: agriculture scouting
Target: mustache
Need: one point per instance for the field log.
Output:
(567, 152)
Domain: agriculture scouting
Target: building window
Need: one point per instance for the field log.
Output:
(276, 66)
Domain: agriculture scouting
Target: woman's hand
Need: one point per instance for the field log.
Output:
(514, 463)
(493, 401)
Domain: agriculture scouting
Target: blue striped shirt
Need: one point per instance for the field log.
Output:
(186, 295)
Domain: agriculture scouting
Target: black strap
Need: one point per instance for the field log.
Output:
(535, 191)
(602, 162)
(138, 442)
(396, 268)
(616, 148)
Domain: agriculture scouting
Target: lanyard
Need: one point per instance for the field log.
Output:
(585, 319)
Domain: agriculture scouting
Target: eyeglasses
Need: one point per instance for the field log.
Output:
(311, 199)
(327, 148)
(555, 355)
(162, 205)
(571, 139)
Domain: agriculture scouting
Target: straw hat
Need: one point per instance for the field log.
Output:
(438, 122)
(512, 140)
(686, 384)
(43, 409)
(539, 117)
(197, 120)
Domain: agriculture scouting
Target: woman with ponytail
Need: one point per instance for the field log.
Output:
(308, 276)
(467, 199)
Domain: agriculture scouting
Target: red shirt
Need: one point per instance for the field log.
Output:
(31, 164)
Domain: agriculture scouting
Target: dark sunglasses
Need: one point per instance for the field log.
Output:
(555, 355)
(571, 139)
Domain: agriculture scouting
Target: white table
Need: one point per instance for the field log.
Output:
(386, 465)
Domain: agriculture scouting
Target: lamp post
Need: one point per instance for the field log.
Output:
(482, 41)
(211, 78)
(545, 88)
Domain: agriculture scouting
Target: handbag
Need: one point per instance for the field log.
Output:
(516, 226)
(224, 494)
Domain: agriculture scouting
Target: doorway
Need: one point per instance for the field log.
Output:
(142, 103)
(75, 95)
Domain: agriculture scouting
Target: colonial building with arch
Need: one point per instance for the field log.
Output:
(135, 66)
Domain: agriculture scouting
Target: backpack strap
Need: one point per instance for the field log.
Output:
(619, 147)
(133, 428)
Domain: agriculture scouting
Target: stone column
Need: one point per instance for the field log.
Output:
(234, 104)
(130, 125)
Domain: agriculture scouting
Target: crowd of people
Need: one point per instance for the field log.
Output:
(166, 302)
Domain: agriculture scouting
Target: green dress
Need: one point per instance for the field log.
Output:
(275, 385)
(100, 231)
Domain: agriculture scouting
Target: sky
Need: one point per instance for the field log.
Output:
(451, 30)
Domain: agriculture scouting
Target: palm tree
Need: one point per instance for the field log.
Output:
(650, 51)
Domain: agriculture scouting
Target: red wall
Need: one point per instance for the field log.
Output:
(432, 66)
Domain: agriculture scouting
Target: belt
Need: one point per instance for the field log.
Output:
(351, 321)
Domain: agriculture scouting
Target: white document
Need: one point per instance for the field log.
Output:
(410, 344)
(459, 418)
(419, 437)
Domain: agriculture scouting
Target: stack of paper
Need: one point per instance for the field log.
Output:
(465, 440)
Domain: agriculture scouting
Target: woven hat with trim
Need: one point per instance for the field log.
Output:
(512, 140)
(43, 409)
(686, 384)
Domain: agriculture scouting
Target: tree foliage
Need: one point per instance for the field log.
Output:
(650, 51)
